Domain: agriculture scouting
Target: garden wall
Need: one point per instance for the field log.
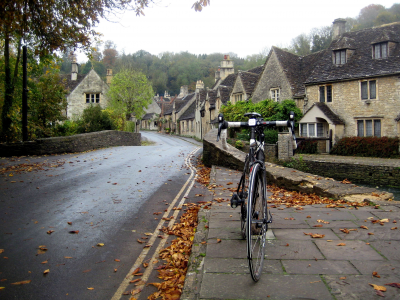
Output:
(364, 174)
(73, 143)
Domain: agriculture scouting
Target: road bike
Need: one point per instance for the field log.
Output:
(251, 194)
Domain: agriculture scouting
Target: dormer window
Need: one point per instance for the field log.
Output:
(339, 57)
(380, 50)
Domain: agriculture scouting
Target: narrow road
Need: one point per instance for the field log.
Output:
(80, 216)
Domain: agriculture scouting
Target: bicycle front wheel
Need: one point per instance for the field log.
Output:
(256, 221)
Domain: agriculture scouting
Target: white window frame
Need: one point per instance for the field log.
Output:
(368, 83)
(362, 132)
(275, 94)
(312, 127)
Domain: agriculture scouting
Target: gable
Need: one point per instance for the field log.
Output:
(321, 111)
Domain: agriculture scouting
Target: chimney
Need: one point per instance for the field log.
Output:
(217, 75)
(199, 85)
(339, 27)
(109, 76)
(226, 67)
(74, 71)
(184, 91)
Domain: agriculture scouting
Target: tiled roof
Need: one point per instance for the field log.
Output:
(327, 112)
(189, 113)
(297, 68)
(225, 93)
(212, 96)
(360, 64)
(70, 85)
(257, 70)
(148, 116)
(229, 80)
(249, 81)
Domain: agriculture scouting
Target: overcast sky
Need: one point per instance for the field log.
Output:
(244, 27)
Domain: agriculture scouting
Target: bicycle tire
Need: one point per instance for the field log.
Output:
(243, 194)
(256, 225)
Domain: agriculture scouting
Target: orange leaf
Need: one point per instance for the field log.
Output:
(375, 274)
(378, 287)
(117, 260)
(74, 231)
(136, 271)
(341, 244)
(21, 282)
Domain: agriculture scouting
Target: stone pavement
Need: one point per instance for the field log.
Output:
(297, 266)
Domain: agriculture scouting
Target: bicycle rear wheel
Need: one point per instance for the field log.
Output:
(256, 224)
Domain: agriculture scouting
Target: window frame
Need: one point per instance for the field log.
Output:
(368, 90)
(342, 55)
(363, 131)
(327, 93)
(379, 54)
(275, 94)
(92, 98)
(314, 128)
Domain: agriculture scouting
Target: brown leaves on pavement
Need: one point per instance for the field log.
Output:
(177, 255)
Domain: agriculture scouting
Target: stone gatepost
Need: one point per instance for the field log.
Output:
(285, 146)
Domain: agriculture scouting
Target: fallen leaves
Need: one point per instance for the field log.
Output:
(177, 255)
(21, 282)
(378, 287)
(315, 235)
(73, 231)
(341, 244)
(46, 271)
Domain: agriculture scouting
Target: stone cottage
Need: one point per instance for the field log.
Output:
(84, 90)
(357, 80)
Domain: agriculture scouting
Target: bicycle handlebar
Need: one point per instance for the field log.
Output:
(254, 122)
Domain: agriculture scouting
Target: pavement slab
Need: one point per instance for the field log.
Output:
(270, 286)
(319, 267)
(357, 286)
(239, 266)
(351, 250)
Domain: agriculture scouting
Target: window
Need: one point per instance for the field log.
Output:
(368, 89)
(339, 57)
(325, 93)
(238, 97)
(275, 94)
(312, 129)
(380, 50)
(92, 98)
(369, 127)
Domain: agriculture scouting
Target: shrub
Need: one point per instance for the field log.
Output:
(66, 128)
(94, 119)
(239, 144)
(307, 147)
(296, 163)
(129, 126)
(367, 147)
(271, 136)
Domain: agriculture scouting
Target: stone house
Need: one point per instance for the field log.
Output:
(85, 90)
(245, 82)
(354, 88)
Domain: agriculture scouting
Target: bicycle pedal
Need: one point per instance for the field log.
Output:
(235, 201)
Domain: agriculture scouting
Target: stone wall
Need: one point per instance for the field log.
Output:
(357, 173)
(74, 143)
(232, 158)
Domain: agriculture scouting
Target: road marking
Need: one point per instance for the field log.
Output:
(139, 261)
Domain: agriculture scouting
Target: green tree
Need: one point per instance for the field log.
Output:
(367, 16)
(321, 38)
(301, 45)
(47, 26)
(130, 93)
(47, 105)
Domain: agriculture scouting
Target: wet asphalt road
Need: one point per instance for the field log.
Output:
(108, 195)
